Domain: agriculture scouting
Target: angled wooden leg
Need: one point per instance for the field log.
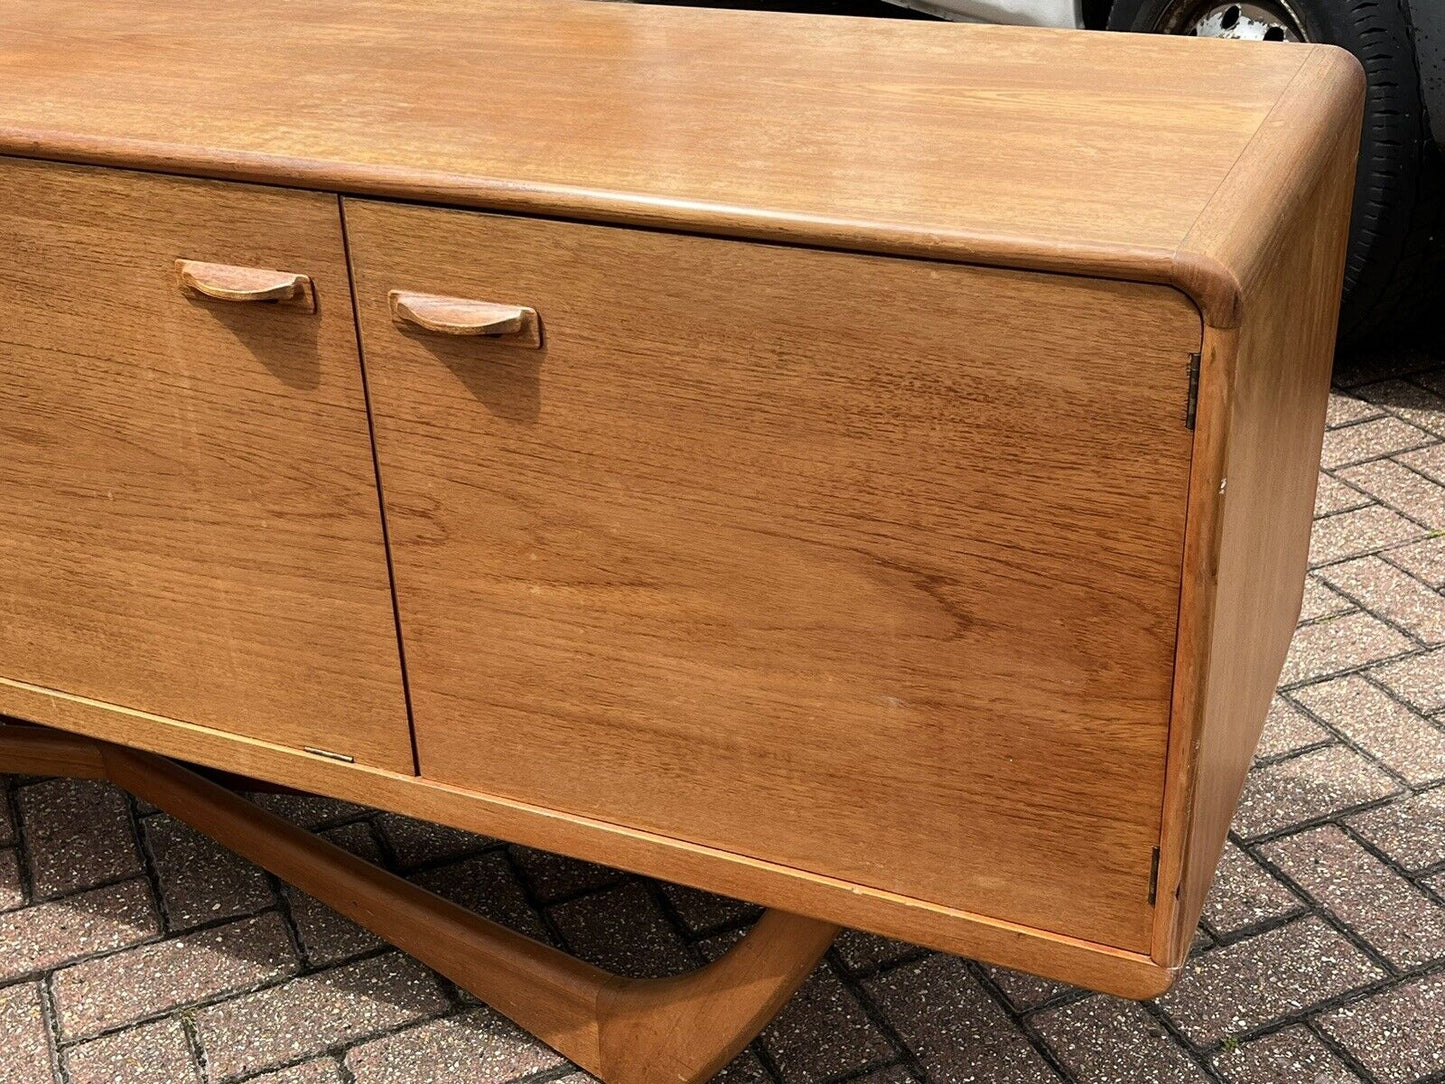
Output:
(32, 750)
(688, 1027)
(678, 1030)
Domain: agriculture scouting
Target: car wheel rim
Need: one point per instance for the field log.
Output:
(1246, 20)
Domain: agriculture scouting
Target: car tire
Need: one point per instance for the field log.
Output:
(1395, 258)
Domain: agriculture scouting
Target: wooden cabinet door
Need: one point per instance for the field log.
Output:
(864, 566)
(189, 523)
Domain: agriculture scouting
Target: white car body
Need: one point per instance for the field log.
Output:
(1065, 13)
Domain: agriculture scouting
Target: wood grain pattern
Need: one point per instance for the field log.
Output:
(979, 936)
(33, 750)
(745, 558)
(1263, 392)
(861, 587)
(188, 512)
(999, 145)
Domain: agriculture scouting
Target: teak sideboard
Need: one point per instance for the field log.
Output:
(863, 467)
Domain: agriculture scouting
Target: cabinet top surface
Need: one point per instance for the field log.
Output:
(1102, 153)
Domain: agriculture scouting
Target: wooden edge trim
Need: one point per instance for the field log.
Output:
(1176, 915)
(1237, 235)
(1212, 266)
(1222, 259)
(597, 206)
(1066, 959)
(1203, 524)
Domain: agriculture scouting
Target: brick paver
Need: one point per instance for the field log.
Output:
(1242, 987)
(281, 1024)
(79, 834)
(318, 1071)
(864, 953)
(200, 881)
(7, 822)
(1415, 401)
(1104, 1039)
(112, 991)
(824, 1033)
(1397, 1035)
(133, 950)
(1360, 532)
(1333, 495)
(12, 888)
(1245, 894)
(1388, 913)
(957, 1032)
(1287, 729)
(1401, 739)
(1347, 445)
(1024, 992)
(1339, 644)
(414, 843)
(1395, 595)
(625, 930)
(1418, 680)
(1321, 600)
(26, 1055)
(488, 884)
(1292, 1056)
(47, 935)
(1410, 832)
(158, 1053)
(1317, 783)
(1423, 560)
(473, 1047)
(1396, 484)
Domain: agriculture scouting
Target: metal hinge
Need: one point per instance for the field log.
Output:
(1191, 405)
(1154, 877)
(329, 754)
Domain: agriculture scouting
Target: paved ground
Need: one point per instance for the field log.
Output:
(134, 952)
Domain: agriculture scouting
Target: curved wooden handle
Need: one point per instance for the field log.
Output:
(225, 282)
(516, 324)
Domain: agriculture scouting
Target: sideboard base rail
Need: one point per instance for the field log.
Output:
(679, 1030)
